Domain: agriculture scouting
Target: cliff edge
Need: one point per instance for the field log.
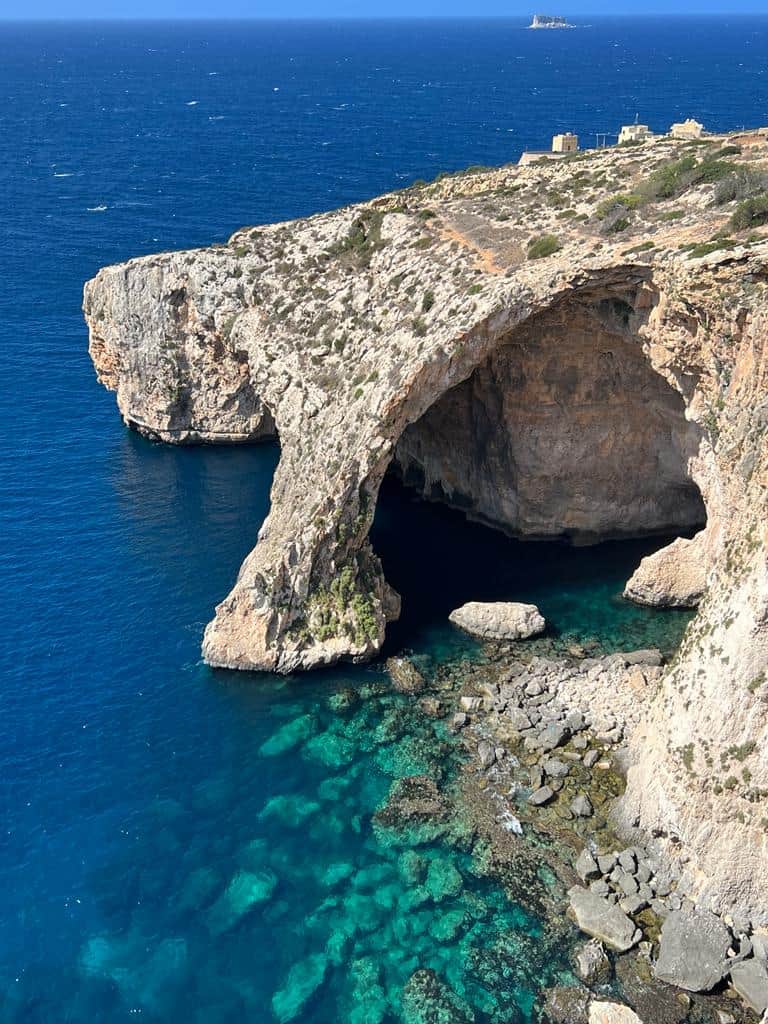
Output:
(574, 348)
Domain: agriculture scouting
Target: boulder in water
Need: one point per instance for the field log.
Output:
(405, 677)
(499, 620)
(427, 999)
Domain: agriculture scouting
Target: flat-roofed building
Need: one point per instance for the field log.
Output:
(566, 143)
(689, 129)
(634, 133)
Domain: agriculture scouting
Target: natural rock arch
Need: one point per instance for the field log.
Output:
(349, 326)
(312, 591)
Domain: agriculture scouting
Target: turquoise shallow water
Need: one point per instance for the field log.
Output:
(269, 879)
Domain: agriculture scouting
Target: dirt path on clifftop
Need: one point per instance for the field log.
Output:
(486, 257)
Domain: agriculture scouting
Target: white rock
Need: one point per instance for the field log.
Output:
(611, 1013)
(499, 620)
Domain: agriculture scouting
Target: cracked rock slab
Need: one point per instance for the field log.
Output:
(692, 950)
(603, 920)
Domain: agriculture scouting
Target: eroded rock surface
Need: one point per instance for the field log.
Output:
(499, 620)
(692, 950)
(603, 920)
(675, 577)
(616, 385)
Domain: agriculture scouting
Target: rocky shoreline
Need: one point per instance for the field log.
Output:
(546, 743)
(570, 350)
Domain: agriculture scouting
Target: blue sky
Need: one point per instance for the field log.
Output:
(348, 8)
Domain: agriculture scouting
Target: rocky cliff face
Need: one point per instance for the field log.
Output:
(569, 348)
(565, 429)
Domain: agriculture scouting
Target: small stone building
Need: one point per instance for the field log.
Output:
(633, 133)
(566, 143)
(689, 129)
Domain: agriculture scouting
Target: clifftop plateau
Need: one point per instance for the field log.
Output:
(566, 349)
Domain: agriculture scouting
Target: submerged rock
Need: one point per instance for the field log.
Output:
(566, 1005)
(603, 920)
(405, 677)
(244, 892)
(693, 950)
(290, 809)
(427, 999)
(443, 880)
(414, 799)
(290, 735)
(303, 980)
(499, 620)
(369, 1000)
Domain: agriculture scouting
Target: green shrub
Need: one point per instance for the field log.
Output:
(705, 248)
(544, 245)
(616, 225)
(426, 214)
(363, 239)
(744, 183)
(751, 213)
(620, 202)
(676, 177)
(428, 301)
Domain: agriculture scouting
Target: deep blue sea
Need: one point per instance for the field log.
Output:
(190, 846)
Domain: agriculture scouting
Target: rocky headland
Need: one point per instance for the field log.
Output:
(572, 349)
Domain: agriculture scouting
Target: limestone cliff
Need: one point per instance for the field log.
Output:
(571, 348)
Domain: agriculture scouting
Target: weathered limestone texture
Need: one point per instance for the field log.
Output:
(675, 577)
(499, 620)
(525, 345)
(565, 430)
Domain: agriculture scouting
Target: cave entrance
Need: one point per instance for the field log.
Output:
(566, 435)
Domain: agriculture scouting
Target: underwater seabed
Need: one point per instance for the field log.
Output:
(270, 890)
(274, 893)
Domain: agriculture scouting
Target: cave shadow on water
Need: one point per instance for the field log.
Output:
(437, 559)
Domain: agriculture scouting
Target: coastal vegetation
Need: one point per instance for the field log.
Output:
(543, 246)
